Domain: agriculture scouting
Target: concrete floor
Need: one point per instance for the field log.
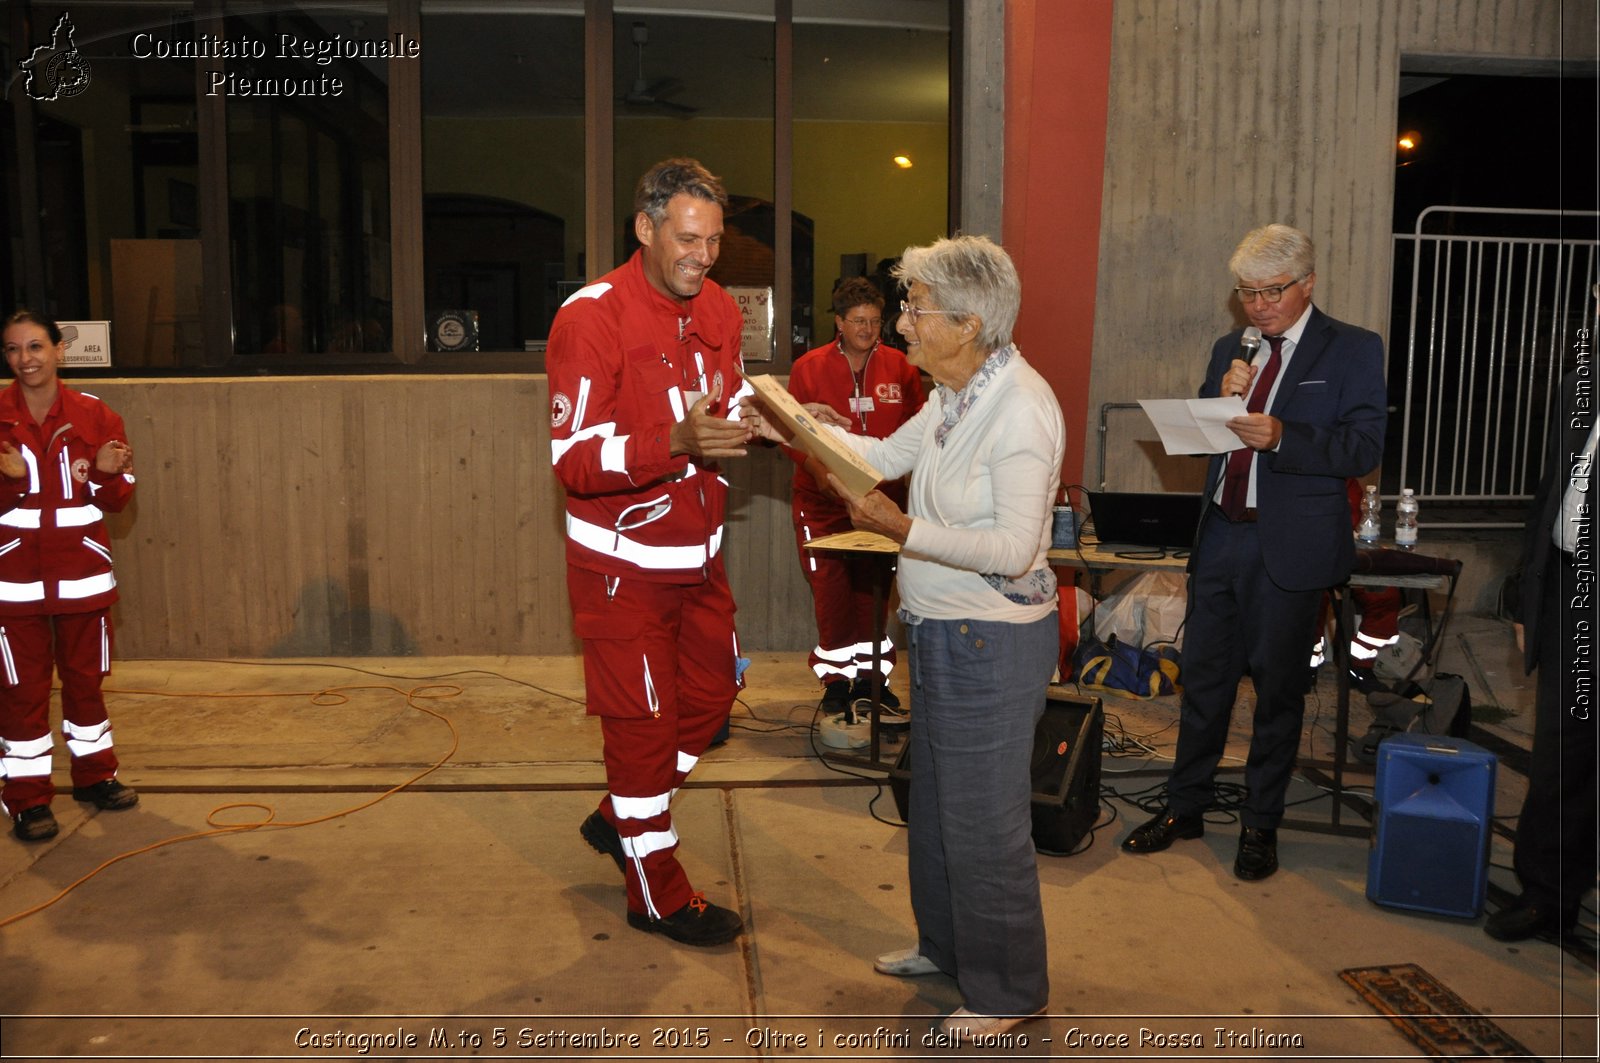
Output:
(421, 876)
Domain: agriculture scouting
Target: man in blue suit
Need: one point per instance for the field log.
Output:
(1275, 536)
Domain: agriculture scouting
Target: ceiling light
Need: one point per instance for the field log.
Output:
(903, 161)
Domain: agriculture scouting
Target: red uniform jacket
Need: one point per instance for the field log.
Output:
(621, 359)
(55, 555)
(891, 391)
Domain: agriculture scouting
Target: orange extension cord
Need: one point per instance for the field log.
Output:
(329, 697)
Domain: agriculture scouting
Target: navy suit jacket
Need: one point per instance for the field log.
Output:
(1333, 402)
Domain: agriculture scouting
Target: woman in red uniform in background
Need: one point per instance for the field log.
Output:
(64, 462)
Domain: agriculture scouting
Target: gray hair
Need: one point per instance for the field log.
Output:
(672, 177)
(971, 276)
(1271, 250)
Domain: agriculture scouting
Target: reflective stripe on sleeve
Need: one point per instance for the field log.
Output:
(559, 447)
(614, 454)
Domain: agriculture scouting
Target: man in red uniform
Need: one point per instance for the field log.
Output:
(645, 385)
(64, 462)
(875, 387)
(1379, 626)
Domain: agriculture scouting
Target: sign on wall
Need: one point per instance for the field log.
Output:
(756, 306)
(88, 342)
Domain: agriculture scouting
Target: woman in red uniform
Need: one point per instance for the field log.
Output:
(64, 462)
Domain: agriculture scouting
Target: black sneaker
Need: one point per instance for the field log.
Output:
(603, 838)
(699, 923)
(108, 795)
(862, 691)
(36, 824)
(892, 719)
(1363, 681)
(836, 697)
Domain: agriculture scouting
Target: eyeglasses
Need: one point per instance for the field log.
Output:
(918, 311)
(864, 322)
(1271, 295)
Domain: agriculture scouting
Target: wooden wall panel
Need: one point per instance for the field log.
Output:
(1228, 114)
(380, 515)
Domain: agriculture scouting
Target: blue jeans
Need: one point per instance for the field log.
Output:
(977, 693)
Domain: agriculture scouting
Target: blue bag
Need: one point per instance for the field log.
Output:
(1119, 668)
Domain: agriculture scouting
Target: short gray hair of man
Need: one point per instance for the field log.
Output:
(971, 276)
(673, 177)
(1272, 250)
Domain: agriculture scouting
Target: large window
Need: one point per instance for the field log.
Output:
(503, 172)
(308, 183)
(871, 143)
(302, 186)
(104, 181)
(689, 85)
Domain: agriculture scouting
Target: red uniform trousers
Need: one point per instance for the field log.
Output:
(841, 596)
(1377, 624)
(80, 646)
(658, 667)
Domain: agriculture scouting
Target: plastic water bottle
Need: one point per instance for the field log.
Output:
(1371, 525)
(1405, 520)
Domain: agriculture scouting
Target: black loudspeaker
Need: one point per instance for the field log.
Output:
(1064, 773)
(1430, 843)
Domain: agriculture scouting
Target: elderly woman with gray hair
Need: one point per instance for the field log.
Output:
(978, 599)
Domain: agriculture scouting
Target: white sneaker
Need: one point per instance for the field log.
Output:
(971, 1024)
(906, 963)
(838, 733)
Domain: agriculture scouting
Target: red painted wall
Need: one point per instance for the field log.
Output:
(1058, 69)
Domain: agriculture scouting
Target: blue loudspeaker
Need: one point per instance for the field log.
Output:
(1430, 845)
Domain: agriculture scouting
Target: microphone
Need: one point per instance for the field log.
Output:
(1249, 344)
(1249, 349)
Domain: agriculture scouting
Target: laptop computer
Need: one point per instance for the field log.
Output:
(1147, 519)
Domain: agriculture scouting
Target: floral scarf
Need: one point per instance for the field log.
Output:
(954, 411)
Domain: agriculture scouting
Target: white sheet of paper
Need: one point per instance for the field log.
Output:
(1195, 426)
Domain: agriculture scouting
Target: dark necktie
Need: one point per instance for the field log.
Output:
(1236, 481)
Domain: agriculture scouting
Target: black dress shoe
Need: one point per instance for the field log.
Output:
(697, 923)
(36, 824)
(603, 838)
(1258, 854)
(1523, 919)
(107, 795)
(1161, 832)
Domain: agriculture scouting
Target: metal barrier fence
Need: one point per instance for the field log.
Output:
(1488, 321)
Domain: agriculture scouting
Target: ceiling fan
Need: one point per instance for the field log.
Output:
(645, 93)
